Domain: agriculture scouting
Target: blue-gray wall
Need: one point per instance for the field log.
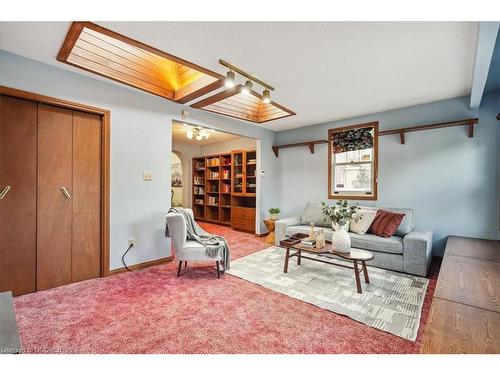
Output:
(141, 140)
(449, 179)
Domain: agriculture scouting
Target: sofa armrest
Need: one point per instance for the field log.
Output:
(417, 252)
(281, 225)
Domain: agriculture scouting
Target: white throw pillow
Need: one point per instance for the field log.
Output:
(364, 222)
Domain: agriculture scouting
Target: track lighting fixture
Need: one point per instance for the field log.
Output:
(266, 96)
(247, 88)
(229, 82)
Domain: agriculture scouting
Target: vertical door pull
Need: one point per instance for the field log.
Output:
(65, 192)
(4, 191)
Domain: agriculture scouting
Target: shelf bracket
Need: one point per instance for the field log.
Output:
(311, 147)
(276, 151)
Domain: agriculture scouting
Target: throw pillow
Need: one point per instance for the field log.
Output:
(365, 219)
(386, 223)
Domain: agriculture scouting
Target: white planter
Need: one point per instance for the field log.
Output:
(274, 216)
(341, 241)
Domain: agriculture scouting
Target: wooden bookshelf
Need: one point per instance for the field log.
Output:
(243, 189)
(212, 188)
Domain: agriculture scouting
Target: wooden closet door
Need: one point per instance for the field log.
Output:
(54, 211)
(18, 153)
(86, 242)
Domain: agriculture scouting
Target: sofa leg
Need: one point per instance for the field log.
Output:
(218, 270)
(179, 269)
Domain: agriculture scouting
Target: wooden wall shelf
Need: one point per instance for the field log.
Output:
(470, 123)
(310, 144)
(402, 131)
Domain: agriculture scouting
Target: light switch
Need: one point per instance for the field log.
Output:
(147, 176)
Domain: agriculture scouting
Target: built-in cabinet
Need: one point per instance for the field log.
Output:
(224, 188)
(50, 201)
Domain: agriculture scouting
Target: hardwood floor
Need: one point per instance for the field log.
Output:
(465, 312)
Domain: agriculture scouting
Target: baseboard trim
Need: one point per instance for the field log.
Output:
(140, 266)
(261, 234)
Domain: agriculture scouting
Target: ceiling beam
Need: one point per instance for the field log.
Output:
(486, 38)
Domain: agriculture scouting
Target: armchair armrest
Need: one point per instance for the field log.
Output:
(281, 225)
(417, 252)
(178, 231)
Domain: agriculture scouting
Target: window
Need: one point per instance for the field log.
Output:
(352, 162)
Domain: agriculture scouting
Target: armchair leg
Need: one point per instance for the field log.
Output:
(185, 264)
(179, 269)
(218, 270)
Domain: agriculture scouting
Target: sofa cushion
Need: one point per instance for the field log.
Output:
(305, 230)
(386, 223)
(408, 222)
(195, 251)
(314, 212)
(364, 221)
(393, 245)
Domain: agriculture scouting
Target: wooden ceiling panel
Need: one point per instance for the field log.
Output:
(101, 51)
(234, 103)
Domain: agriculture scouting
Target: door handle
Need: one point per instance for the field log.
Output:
(65, 192)
(4, 191)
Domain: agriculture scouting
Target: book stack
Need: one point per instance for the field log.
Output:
(308, 242)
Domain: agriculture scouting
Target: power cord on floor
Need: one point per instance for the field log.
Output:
(123, 256)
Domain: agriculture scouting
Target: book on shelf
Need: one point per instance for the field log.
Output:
(213, 162)
(198, 180)
(199, 190)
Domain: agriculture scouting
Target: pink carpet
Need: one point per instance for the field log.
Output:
(153, 311)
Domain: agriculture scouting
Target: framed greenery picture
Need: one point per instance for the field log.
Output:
(352, 162)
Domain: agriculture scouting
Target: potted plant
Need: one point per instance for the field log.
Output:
(274, 213)
(340, 214)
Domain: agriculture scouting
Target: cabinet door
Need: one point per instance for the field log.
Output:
(86, 245)
(18, 134)
(54, 213)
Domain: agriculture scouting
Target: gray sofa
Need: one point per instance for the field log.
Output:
(407, 251)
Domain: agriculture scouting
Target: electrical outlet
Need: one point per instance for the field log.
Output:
(131, 241)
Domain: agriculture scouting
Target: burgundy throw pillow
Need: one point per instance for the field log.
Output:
(386, 223)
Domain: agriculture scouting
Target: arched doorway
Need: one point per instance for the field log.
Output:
(177, 181)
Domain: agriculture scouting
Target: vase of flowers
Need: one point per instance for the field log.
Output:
(340, 214)
(274, 213)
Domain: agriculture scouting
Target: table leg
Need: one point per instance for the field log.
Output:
(356, 275)
(299, 258)
(287, 255)
(365, 271)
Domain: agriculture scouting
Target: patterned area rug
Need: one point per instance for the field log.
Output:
(392, 302)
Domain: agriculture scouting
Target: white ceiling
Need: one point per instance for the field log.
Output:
(323, 71)
(179, 134)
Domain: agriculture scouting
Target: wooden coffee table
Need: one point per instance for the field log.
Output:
(356, 256)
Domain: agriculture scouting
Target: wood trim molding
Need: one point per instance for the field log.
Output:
(143, 265)
(105, 160)
(374, 195)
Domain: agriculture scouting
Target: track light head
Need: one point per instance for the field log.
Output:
(229, 82)
(266, 96)
(247, 88)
